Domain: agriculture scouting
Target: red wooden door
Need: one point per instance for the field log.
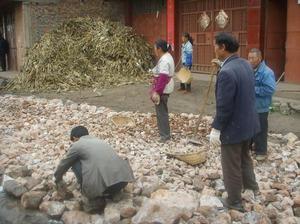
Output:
(275, 35)
(190, 12)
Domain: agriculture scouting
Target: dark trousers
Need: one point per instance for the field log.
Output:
(3, 62)
(162, 116)
(261, 139)
(186, 86)
(238, 170)
(111, 190)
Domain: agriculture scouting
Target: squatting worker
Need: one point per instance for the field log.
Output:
(4, 48)
(163, 86)
(265, 86)
(186, 58)
(98, 169)
(236, 120)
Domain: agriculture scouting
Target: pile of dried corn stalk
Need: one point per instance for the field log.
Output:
(84, 52)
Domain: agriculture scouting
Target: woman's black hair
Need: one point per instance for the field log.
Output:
(188, 37)
(78, 132)
(229, 41)
(163, 45)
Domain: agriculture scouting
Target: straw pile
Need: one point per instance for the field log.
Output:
(85, 53)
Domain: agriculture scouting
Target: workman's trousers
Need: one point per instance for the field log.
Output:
(238, 170)
(162, 116)
(111, 190)
(3, 62)
(261, 139)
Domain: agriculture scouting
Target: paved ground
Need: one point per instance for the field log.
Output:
(136, 98)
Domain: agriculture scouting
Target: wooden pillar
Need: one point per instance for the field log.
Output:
(171, 22)
(254, 28)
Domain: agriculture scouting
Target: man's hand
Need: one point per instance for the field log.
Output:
(214, 138)
(61, 185)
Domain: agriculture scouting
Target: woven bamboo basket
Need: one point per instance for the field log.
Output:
(122, 121)
(193, 158)
(184, 75)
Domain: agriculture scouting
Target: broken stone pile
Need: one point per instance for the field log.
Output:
(85, 53)
(34, 136)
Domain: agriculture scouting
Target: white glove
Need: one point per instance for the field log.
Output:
(214, 138)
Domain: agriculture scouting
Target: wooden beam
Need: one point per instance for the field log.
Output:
(171, 22)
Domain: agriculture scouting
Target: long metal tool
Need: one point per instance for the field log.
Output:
(204, 103)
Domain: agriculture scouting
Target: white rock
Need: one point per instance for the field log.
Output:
(112, 214)
(165, 207)
(290, 137)
(210, 201)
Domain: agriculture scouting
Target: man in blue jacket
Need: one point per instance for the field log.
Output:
(236, 120)
(264, 89)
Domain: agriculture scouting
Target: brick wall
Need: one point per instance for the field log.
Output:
(46, 16)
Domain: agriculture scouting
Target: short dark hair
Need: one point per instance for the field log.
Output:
(78, 132)
(163, 45)
(228, 40)
(256, 51)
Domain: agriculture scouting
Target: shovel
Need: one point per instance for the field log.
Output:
(216, 64)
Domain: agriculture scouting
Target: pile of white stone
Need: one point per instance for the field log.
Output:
(34, 136)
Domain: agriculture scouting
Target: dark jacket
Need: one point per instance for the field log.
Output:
(3, 47)
(101, 166)
(265, 86)
(236, 116)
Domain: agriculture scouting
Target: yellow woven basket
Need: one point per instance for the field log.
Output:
(123, 121)
(184, 75)
(193, 158)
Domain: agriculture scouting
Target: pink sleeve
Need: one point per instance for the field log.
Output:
(160, 83)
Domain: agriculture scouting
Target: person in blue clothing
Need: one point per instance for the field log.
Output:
(186, 58)
(236, 120)
(265, 86)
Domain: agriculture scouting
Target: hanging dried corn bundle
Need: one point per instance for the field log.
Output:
(84, 53)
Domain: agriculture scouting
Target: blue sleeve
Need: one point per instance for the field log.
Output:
(267, 85)
(189, 54)
(226, 88)
(189, 48)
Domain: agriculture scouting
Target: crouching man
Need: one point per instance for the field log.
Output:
(99, 170)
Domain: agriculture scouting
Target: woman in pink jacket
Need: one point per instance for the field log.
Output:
(163, 86)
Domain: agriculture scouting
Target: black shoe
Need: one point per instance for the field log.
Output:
(236, 206)
(94, 206)
(254, 189)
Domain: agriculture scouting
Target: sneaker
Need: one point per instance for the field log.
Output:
(236, 206)
(260, 157)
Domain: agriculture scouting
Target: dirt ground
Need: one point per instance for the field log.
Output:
(136, 98)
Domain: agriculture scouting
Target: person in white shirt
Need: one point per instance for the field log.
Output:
(163, 86)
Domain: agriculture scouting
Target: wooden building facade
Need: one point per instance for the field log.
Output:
(270, 25)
